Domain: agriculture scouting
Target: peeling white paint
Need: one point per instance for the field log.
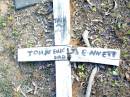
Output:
(61, 10)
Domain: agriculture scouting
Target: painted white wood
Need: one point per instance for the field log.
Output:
(96, 55)
(78, 54)
(61, 12)
(42, 54)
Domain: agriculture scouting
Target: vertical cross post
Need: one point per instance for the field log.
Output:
(61, 12)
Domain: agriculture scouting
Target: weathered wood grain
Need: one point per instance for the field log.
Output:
(61, 10)
(96, 55)
(42, 54)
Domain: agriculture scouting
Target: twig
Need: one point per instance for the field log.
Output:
(92, 4)
(18, 89)
(85, 37)
(90, 83)
(35, 87)
(116, 5)
(94, 71)
(24, 94)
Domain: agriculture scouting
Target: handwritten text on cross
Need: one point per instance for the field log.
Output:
(62, 53)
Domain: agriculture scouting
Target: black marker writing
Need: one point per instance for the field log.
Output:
(35, 52)
(39, 52)
(84, 52)
(95, 53)
(75, 51)
(29, 52)
(47, 52)
(56, 51)
(60, 20)
(60, 57)
(113, 54)
(103, 54)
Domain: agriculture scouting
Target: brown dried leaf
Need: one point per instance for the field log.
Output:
(127, 74)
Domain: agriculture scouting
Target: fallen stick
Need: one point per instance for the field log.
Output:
(91, 80)
(94, 71)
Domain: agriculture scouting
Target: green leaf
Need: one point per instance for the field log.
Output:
(128, 32)
(81, 74)
(115, 73)
(125, 53)
(2, 22)
(15, 33)
(81, 67)
(128, 5)
(94, 9)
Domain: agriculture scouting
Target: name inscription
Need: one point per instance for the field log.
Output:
(43, 54)
(95, 55)
(93, 52)
(62, 53)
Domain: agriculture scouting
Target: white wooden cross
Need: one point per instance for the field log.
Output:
(60, 52)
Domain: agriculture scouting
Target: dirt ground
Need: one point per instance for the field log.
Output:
(108, 24)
